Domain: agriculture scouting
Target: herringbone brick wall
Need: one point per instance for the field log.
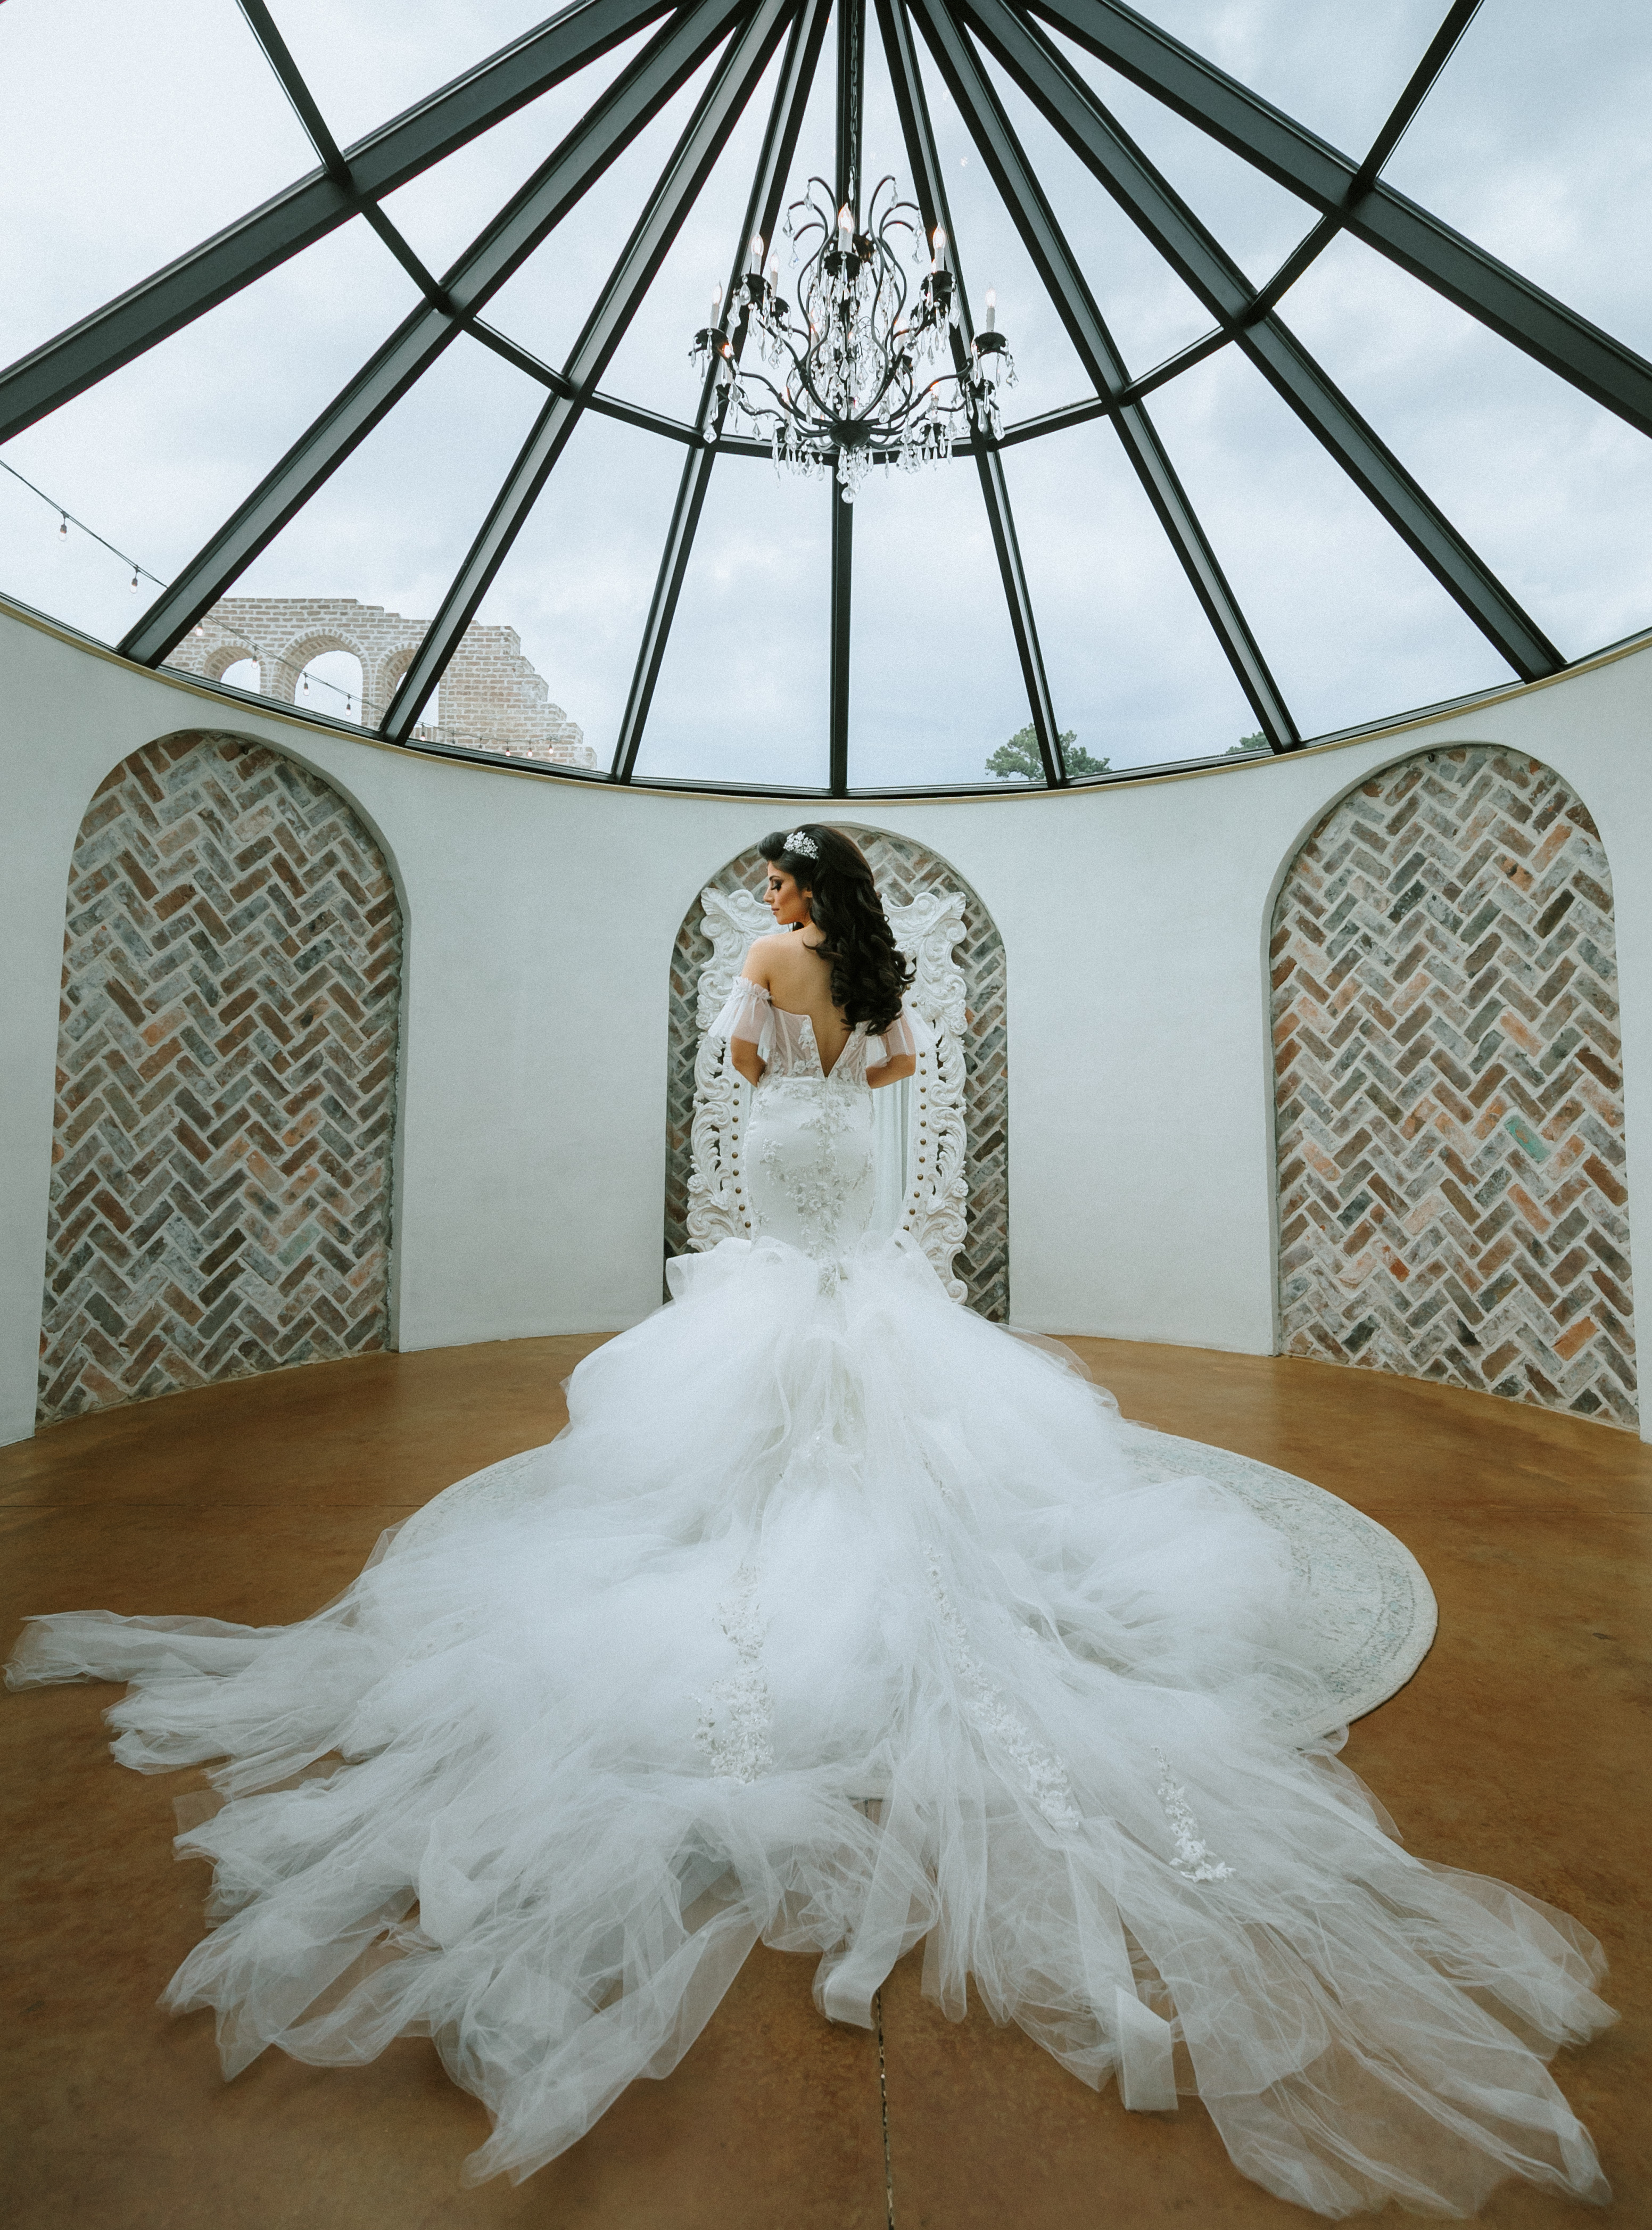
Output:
(902, 869)
(1450, 1098)
(221, 1178)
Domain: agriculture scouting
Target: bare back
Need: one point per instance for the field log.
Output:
(799, 980)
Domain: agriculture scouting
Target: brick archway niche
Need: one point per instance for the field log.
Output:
(903, 869)
(1448, 1091)
(227, 1054)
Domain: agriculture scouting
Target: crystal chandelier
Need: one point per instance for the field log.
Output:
(852, 364)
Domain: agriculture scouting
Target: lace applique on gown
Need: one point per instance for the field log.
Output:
(839, 1618)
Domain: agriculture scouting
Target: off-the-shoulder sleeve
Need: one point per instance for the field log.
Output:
(745, 1013)
(900, 1038)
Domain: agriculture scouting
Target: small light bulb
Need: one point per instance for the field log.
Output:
(845, 222)
(63, 531)
(132, 583)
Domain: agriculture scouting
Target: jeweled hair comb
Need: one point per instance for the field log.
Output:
(802, 844)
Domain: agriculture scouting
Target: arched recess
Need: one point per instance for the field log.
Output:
(903, 869)
(1449, 1091)
(227, 1059)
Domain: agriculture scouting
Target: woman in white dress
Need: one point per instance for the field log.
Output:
(838, 1618)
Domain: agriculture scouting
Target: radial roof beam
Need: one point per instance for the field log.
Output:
(762, 215)
(637, 95)
(732, 84)
(982, 112)
(929, 185)
(315, 206)
(306, 108)
(1153, 205)
(1419, 86)
(1569, 345)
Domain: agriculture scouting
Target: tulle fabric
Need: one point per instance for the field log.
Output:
(838, 1618)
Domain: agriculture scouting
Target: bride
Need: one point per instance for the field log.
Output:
(838, 1618)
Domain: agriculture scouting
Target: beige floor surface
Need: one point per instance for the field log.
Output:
(1518, 1749)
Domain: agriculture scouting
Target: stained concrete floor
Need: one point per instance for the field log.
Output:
(1517, 1751)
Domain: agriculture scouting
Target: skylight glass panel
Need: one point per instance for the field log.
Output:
(130, 135)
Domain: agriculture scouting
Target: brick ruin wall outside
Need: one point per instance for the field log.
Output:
(490, 698)
(902, 869)
(227, 1070)
(1452, 1200)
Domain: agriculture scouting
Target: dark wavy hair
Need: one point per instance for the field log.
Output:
(869, 973)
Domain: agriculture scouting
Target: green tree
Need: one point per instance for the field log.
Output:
(1018, 759)
(1257, 742)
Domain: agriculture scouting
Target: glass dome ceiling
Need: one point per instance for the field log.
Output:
(1321, 413)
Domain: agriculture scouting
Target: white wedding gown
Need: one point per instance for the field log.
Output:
(838, 1618)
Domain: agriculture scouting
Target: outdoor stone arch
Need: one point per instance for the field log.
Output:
(1452, 1195)
(291, 659)
(220, 1194)
(392, 668)
(905, 870)
(223, 656)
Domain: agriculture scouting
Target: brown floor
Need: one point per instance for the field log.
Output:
(1517, 1751)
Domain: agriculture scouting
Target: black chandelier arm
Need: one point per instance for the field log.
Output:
(1052, 257)
(1159, 211)
(1263, 136)
(930, 187)
(607, 129)
(314, 206)
(717, 111)
(779, 148)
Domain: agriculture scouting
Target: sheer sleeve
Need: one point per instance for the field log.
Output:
(745, 1013)
(900, 1038)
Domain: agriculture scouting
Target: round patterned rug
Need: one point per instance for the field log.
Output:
(1371, 1606)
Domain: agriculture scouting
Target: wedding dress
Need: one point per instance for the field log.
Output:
(839, 1618)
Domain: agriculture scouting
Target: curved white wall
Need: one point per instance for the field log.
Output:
(539, 919)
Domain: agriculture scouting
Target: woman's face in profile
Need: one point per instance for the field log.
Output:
(782, 897)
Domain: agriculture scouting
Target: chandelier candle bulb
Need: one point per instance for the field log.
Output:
(991, 309)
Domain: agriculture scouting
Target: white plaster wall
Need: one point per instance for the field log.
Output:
(539, 918)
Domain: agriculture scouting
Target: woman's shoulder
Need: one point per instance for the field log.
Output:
(766, 950)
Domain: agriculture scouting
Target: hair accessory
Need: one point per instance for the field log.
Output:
(802, 844)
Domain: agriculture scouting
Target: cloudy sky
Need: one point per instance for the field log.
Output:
(136, 128)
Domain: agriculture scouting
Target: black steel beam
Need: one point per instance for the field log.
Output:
(849, 116)
(929, 187)
(732, 84)
(1002, 151)
(841, 613)
(1421, 83)
(293, 83)
(706, 435)
(608, 127)
(1249, 126)
(1153, 205)
(315, 206)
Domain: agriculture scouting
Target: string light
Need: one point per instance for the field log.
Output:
(267, 664)
(66, 519)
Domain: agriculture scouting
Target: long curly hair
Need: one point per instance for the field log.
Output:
(869, 973)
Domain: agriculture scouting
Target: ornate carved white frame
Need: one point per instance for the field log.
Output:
(936, 1199)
